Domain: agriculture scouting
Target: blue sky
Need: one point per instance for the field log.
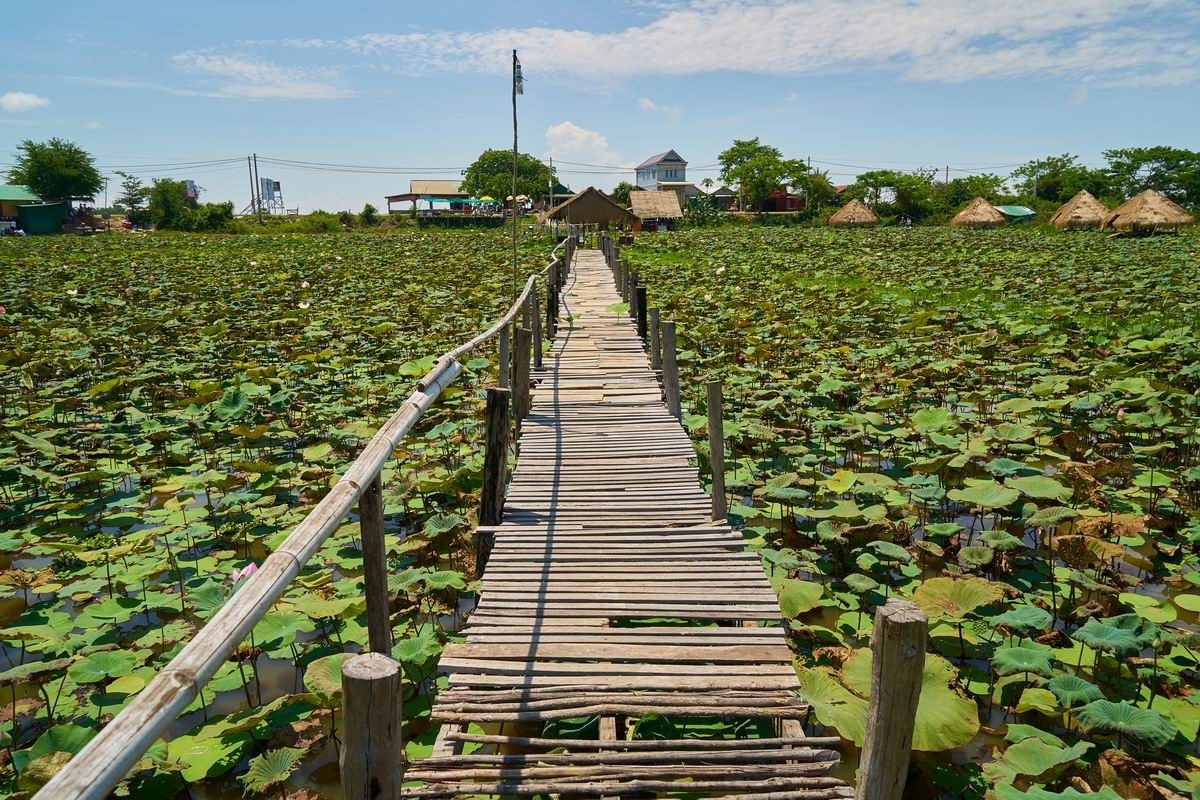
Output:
(852, 84)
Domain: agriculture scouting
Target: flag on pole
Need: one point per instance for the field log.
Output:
(518, 78)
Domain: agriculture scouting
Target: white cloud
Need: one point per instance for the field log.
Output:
(256, 80)
(923, 40)
(19, 102)
(567, 141)
(1080, 97)
(93, 125)
(646, 104)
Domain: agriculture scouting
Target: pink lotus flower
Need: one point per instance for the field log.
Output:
(305, 304)
(304, 284)
(3, 310)
(244, 572)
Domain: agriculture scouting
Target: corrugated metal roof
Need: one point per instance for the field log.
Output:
(670, 155)
(655, 205)
(15, 193)
(1016, 211)
(440, 188)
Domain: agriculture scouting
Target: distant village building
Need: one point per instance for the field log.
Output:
(428, 192)
(12, 196)
(668, 167)
(591, 207)
(724, 197)
(656, 210)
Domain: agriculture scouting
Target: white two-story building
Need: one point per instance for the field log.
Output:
(668, 167)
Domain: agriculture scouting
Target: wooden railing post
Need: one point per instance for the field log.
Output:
(655, 347)
(716, 450)
(502, 371)
(495, 468)
(670, 370)
(643, 323)
(370, 526)
(897, 660)
(522, 347)
(537, 329)
(372, 755)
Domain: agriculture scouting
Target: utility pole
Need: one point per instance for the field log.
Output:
(947, 173)
(518, 87)
(253, 195)
(552, 181)
(257, 193)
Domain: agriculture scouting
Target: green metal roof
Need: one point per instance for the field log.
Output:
(1016, 211)
(15, 193)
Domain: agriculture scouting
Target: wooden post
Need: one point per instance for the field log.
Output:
(670, 370)
(626, 284)
(495, 467)
(502, 378)
(552, 304)
(537, 329)
(897, 659)
(642, 322)
(520, 385)
(655, 347)
(716, 450)
(370, 527)
(372, 753)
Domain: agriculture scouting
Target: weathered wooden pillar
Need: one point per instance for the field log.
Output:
(372, 754)
(502, 371)
(522, 347)
(537, 329)
(897, 659)
(643, 322)
(370, 526)
(670, 370)
(495, 469)
(655, 347)
(716, 451)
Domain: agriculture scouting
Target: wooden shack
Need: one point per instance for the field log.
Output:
(658, 210)
(592, 207)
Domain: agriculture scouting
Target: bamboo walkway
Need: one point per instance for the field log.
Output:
(600, 597)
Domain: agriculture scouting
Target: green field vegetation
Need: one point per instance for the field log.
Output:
(171, 406)
(998, 425)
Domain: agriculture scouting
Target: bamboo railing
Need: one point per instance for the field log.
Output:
(107, 758)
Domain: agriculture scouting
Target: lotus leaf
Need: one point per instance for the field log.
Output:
(952, 599)
(1147, 727)
(271, 768)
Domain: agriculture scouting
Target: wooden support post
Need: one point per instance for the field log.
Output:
(716, 450)
(522, 347)
(370, 526)
(552, 305)
(626, 284)
(670, 369)
(372, 755)
(655, 347)
(897, 659)
(503, 369)
(537, 329)
(495, 469)
(643, 324)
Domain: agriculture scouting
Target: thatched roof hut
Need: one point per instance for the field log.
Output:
(655, 204)
(1148, 212)
(978, 214)
(593, 207)
(853, 213)
(1079, 213)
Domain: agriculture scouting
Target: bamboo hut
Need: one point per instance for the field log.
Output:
(978, 214)
(853, 214)
(591, 207)
(1079, 213)
(1146, 213)
(658, 210)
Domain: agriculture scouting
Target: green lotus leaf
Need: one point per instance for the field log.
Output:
(952, 599)
(1011, 660)
(796, 596)
(932, 419)
(985, 494)
(417, 649)
(69, 738)
(1124, 635)
(103, 666)
(1073, 691)
(833, 704)
(1040, 487)
(1024, 620)
(1052, 516)
(272, 768)
(1188, 602)
(1147, 727)
(1035, 699)
(324, 676)
(200, 757)
(860, 584)
(1010, 792)
(1034, 760)
(891, 551)
(976, 556)
(945, 717)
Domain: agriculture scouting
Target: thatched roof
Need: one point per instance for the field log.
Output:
(1146, 212)
(590, 206)
(978, 214)
(655, 205)
(1080, 212)
(853, 213)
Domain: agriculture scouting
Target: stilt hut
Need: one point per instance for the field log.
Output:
(1148, 212)
(978, 214)
(853, 214)
(1080, 212)
(592, 207)
(658, 210)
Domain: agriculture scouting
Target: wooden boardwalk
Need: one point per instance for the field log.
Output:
(611, 593)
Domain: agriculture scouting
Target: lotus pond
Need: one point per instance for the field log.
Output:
(997, 425)
(171, 407)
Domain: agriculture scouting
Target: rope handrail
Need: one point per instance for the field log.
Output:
(106, 759)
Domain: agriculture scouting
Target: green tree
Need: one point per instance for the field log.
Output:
(133, 192)
(621, 191)
(369, 215)
(491, 175)
(170, 207)
(892, 192)
(1059, 178)
(758, 169)
(962, 190)
(1171, 170)
(56, 170)
(818, 190)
